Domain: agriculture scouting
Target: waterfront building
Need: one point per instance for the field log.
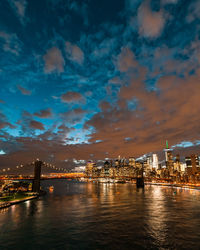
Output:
(194, 163)
(188, 161)
(169, 169)
(89, 169)
(131, 161)
(105, 170)
(169, 160)
(155, 161)
(95, 170)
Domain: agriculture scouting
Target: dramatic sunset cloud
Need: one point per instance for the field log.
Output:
(89, 81)
(36, 125)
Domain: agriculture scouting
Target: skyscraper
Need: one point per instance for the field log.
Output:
(89, 168)
(169, 159)
(155, 161)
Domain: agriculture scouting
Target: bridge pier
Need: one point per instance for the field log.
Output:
(140, 182)
(37, 173)
(140, 178)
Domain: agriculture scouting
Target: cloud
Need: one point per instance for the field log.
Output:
(169, 1)
(105, 47)
(11, 42)
(126, 60)
(36, 125)
(145, 105)
(150, 23)
(63, 129)
(171, 113)
(73, 116)
(45, 113)
(71, 97)
(4, 123)
(19, 7)
(54, 61)
(74, 53)
(23, 90)
(193, 11)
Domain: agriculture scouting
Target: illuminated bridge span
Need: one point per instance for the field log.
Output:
(31, 164)
(37, 172)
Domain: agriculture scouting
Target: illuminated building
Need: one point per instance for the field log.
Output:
(95, 170)
(149, 166)
(89, 168)
(155, 161)
(150, 162)
(194, 163)
(188, 161)
(105, 171)
(177, 158)
(182, 167)
(131, 161)
(169, 159)
(177, 166)
(117, 162)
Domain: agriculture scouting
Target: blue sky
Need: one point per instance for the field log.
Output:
(80, 77)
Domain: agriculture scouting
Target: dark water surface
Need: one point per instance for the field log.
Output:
(103, 216)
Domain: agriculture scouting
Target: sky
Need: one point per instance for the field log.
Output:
(89, 80)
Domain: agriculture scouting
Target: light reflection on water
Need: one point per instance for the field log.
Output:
(104, 216)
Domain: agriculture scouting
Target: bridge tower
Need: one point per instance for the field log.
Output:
(37, 173)
(140, 178)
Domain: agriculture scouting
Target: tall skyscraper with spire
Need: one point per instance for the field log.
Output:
(169, 158)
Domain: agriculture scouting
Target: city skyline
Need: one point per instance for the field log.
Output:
(155, 162)
(87, 80)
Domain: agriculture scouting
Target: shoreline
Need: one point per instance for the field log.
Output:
(166, 184)
(183, 186)
(6, 204)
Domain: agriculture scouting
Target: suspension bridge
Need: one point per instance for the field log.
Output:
(29, 165)
(37, 165)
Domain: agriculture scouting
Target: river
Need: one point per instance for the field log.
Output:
(103, 216)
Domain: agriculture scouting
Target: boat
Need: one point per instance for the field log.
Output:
(51, 188)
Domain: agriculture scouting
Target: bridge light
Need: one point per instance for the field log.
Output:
(17, 166)
(8, 168)
(4, 170)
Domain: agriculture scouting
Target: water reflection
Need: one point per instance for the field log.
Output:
(156, 218)
(104, 216)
